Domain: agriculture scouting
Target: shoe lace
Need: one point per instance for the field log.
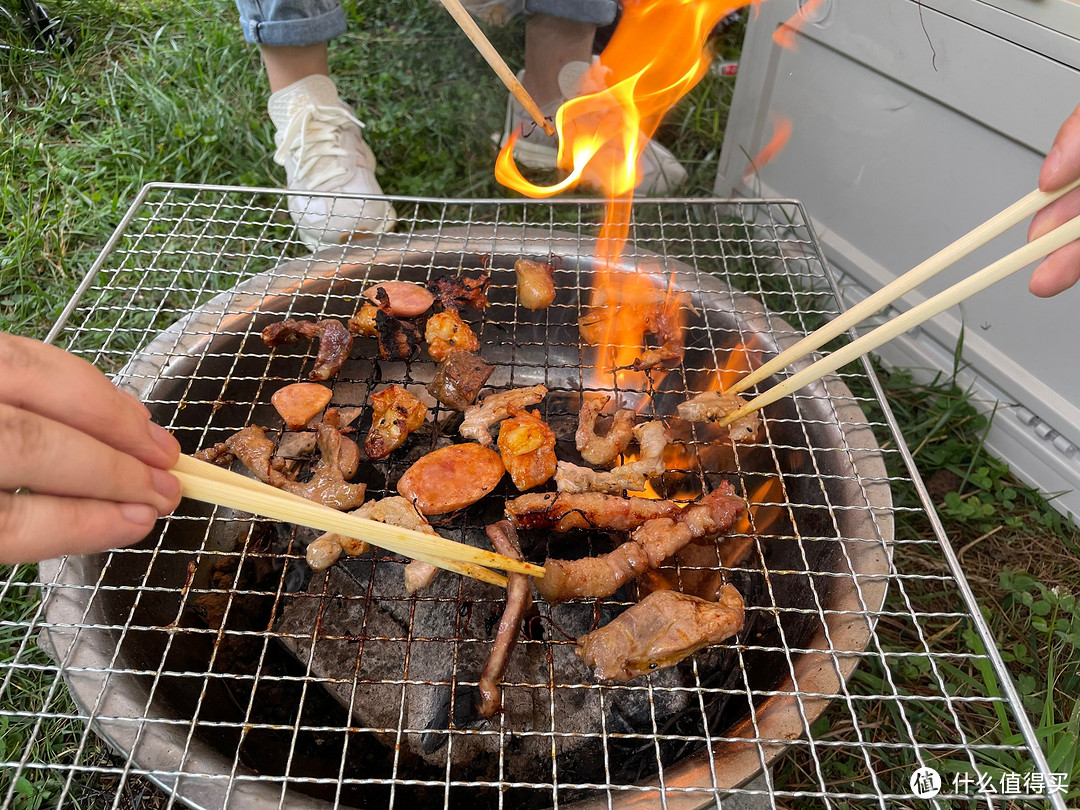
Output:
(313, 137)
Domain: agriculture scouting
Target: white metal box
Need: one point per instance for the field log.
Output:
(911, 124)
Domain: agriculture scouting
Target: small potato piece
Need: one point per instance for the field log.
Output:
(535, 285)
(406, 300)
(527, 447)
(299, 402)
(451, 478)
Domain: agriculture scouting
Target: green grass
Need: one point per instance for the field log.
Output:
(167, 91)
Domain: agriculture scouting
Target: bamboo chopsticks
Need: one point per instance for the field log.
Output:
(953, 295)
(205, 482)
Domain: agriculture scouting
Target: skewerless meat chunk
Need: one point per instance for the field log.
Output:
(364, 323)
(518, 601)
(338, 459)
(652, 440)
(496, 407)
(447, 333)
(458, 292)
(535, 284)
(527, 447)
(335, 342)
(325, 550)
(399, 339)
(600, 451)
(458, 379)
(660, 631)
(648, 546)
(451, 478)
(712, 406)
(566, 511)
(395, 414)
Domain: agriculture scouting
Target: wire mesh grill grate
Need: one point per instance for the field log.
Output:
(209, 641)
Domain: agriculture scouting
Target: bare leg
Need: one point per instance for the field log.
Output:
(288, 64)
(551, 42)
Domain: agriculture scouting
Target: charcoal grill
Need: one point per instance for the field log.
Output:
(220, 669)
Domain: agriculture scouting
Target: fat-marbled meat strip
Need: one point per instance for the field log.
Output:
(494, 408)
(712, 406)
(649, 545)
(652, 440)
(518, 601)
(600, 451)
(565, 511)
(335, 342)
(661, 630)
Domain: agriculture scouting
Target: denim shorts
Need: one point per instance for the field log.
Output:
(305, 22)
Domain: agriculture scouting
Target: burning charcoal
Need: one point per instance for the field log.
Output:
(459, 379)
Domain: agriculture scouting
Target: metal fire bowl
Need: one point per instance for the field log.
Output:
(819, 613)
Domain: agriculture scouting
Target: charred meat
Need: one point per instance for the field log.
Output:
(496, 407)
(518, 601)
(711, 406)
(458, 292)
(458, 380)
(399, 339)
(600, 451)
(395, 414)
(652, 439)
(447, 333)
(649, 545)
(527, 447)
(335, 342)
(665, 321)
(535, 284)
(565, 511)
(661, 630)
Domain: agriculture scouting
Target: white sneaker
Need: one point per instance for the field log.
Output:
(660, 171)
(319, 143)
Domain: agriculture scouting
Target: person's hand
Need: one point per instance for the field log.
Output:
(1061, 269)
(89, 464)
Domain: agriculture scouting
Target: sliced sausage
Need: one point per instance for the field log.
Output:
(406, 300)
(299, 402)
(451, 478)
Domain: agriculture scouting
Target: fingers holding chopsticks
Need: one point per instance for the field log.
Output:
(1061, 269)
(82, 467)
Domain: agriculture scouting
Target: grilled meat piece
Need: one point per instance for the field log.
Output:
(496, 407)
(518, 601)
(256, 452)
(711, 406)
(335, 342)
(396, 414)
(458, 292)
(600, 451)
(649, 545)
(447, 333)
(338, 459)
(451, 478)
(395, 511)
(459, 379)
(661, 630)
(665, 321)
(652, 439)
(527, 447)
(565, 511)
(399, 339)
(535, 284)
(364, 323)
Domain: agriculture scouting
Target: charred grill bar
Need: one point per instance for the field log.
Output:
(226, 671)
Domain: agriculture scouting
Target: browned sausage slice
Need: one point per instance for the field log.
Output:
(299, 402)
(451, 478)
(406, 300)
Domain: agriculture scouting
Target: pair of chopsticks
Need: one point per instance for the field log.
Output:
(977, 282)
(203, 481)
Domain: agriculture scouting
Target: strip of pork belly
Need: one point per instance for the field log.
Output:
(600, 451)
(565, 511)
(518, 601)
(496, 407)
(395, 511)
(652, 438)
(649, 545)
(661, 630)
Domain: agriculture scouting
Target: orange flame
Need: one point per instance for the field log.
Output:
(781, 134)
(656, 55)
(784, 36)
(763, 508)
